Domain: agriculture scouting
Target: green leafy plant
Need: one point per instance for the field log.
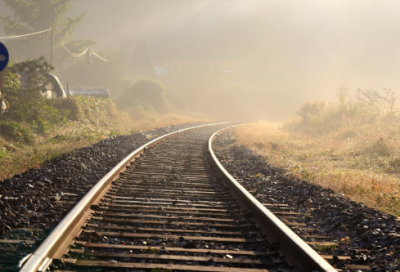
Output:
(14, 131)
(325, 248)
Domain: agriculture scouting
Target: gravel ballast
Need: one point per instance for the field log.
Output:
(369, 236)
(26, 199)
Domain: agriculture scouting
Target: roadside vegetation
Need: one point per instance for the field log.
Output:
(35, 129)
(351, 146)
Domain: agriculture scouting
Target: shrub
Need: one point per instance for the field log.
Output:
(377, 102)
(379, 148)
(38, 112)
(10, 85)
(146, 97)
(25, 101)
(321, 118)
(394, 164)
(14, 131)
(311, 110)
(70, 107)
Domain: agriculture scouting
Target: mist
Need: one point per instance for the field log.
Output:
(257, 58)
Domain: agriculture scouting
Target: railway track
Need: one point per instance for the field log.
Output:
(171, 205)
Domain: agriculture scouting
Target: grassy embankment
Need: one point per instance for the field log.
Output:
(27, 145)
(350, 147)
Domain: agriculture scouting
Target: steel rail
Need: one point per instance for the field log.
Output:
(296, 250)
(66, 230)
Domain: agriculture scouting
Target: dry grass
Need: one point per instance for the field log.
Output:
(362, 162)
(17, 158)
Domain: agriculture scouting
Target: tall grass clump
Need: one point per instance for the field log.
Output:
(370, 106)
(351, 146)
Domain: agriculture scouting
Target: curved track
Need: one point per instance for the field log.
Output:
(173, 208)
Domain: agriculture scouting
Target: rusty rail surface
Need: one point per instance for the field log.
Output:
(174, 208)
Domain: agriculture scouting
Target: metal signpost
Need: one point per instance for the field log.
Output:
(4, 58)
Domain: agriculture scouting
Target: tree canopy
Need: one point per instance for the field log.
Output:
(36, 15)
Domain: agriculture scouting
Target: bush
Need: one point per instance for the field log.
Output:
(14, 131)
(96, 110)
(70, 107)
(311, 110)
(377, 102)
(39, 112)
(26, 103)
(145, 97)
(379, 148)
(321, 118)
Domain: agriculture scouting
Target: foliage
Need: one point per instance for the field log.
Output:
(36, 15)
(321, 118)
(96, 110)
(311, 110)
(14, 131)
(325, 248)
(34, 70)
(27, 103)
(376, 102)
(144, 96)
(9, 84)
(16, 157)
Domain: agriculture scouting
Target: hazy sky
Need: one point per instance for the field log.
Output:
(292, 51)
(308, 48)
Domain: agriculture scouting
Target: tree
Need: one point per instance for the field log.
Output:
(9, 86)
(311, 110)
(145, 95)
(377, 102)
(36, 15)
(34, 72)
(26, 102)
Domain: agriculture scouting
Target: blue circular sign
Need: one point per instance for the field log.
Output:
(4, 57)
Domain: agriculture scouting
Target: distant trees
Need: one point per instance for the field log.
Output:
(145, 96)
(36, 15)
